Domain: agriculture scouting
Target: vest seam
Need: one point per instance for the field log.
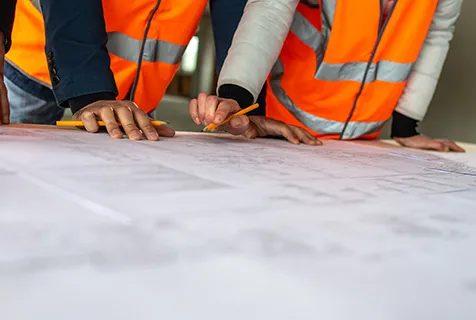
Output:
(141, 52)
(369, 63)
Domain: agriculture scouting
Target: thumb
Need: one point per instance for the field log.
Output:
(238, 125)
(165, 131)
(225, 107)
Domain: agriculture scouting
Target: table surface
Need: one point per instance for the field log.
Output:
(469, 147)
(216, 227)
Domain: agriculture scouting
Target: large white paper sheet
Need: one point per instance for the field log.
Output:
(205, 227)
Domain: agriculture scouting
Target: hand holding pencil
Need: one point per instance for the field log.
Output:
(217, 112)
(214, 126)
(119, 117)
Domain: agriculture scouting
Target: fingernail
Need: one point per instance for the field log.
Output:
(116, 132)
(218, 119)
(197, 120)
(237, 122)
(136, 135)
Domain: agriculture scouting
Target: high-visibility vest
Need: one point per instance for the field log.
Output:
(171, 29)
(342, 70)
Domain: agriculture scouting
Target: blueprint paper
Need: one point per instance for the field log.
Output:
(213, 227)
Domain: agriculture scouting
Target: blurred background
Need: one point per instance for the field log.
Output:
(452, 113)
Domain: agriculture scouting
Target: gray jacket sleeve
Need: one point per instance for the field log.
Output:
(266, 23)
(257, 43)
(426, 72)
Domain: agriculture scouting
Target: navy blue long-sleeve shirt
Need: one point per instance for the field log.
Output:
(7, 13)
(78, 60)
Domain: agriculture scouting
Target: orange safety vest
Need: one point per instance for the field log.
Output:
(172, 27)
(342, 70)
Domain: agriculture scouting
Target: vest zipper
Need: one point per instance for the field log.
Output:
(141, 52)
(369, 63)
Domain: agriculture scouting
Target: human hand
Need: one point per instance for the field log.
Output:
(211, 109)
(4, 105)
(426, 143)
(135, 122)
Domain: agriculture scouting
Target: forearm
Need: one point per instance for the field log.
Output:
(7, 14)
(78, 60)
(255, 48)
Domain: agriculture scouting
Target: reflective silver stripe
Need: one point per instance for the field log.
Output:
(128, 48)
(307, 33)
(383, 71)
(354, 129)
(329, 9)
(354, 71)
(36, 4)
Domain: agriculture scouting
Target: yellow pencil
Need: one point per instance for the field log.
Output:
(239, 113)
(100, 123)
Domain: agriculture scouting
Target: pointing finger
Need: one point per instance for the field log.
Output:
(89, 121)
(107, 115)
(194, 111)
(453, 146)
(202, 98)
(145, 124)
(316, 141)
(287, 133)
(126, 118)
(210, 109)
(304, 136)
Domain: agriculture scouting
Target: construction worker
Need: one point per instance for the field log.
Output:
(96, 61)
(7, 13)
(342, 71)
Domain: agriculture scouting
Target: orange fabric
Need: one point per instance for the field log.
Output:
(176, 22)
(27, 50)
(353, 37)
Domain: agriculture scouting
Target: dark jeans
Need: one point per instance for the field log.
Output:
(226, 15)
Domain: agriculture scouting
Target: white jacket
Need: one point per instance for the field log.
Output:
(266, 23)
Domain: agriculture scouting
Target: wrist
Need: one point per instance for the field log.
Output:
(242, 96)
(403, 126)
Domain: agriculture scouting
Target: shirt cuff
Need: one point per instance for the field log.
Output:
(403, 126)
(80, 102)
(237, 93)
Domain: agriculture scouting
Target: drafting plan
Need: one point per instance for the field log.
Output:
(220, 228)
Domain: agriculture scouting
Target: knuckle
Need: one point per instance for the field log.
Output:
(133, 105)
(211, 99)
(111, 124)
(122, 106)
(141, 113)
(149, 128)
(130, 126)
